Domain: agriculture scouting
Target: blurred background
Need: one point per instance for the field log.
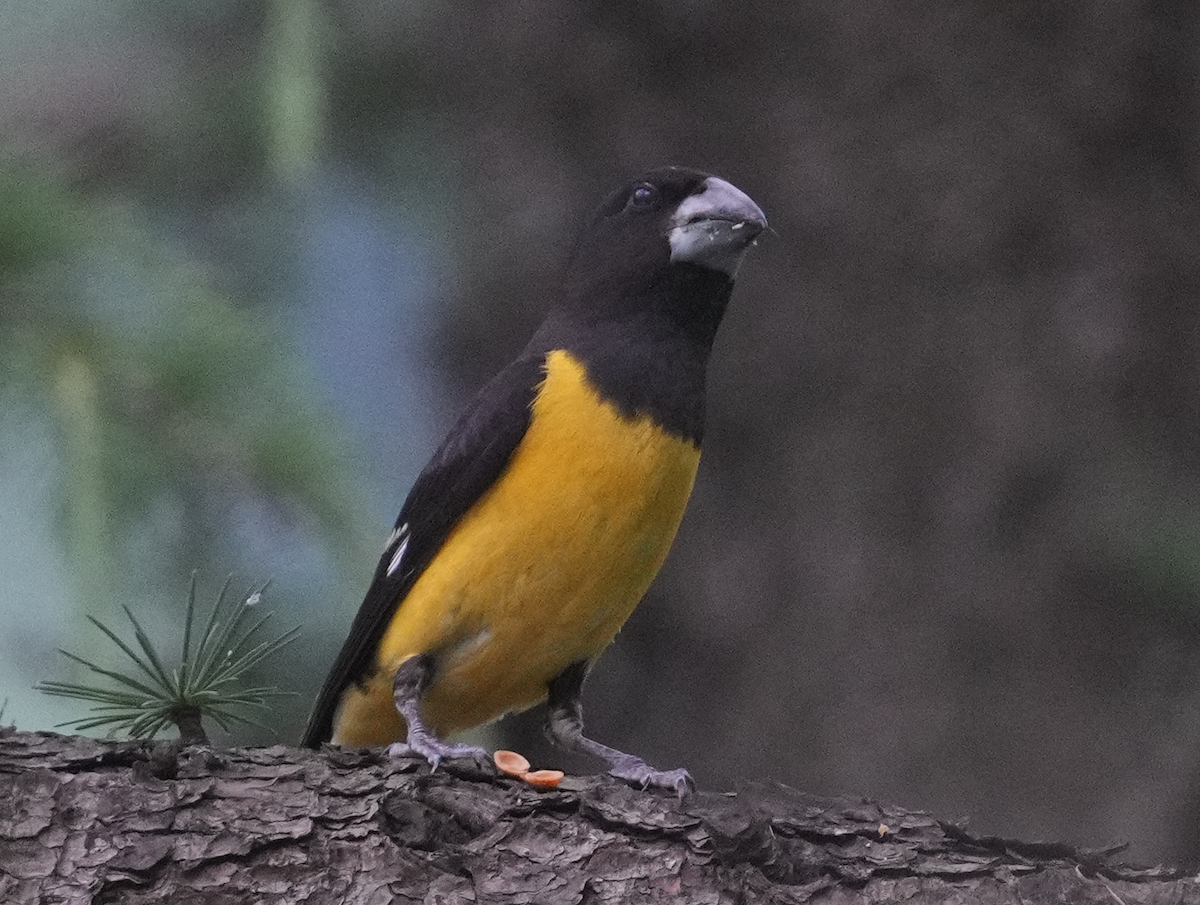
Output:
(945, 546)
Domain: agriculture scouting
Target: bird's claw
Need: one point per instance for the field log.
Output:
(434, 751)
(637, 772)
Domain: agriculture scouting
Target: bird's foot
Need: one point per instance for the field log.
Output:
(637, 772)
(435, 751)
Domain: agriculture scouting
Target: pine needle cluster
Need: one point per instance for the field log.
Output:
(206, 684)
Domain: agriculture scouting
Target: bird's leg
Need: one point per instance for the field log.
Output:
(412, 678)
(564, 726)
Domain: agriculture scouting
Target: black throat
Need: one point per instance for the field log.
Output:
(647, 349)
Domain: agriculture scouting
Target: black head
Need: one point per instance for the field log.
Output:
(664, 220)
(646, 288)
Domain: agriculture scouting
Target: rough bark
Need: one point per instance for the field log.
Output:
(88, 821)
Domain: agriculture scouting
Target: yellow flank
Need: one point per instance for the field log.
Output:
(542, 571)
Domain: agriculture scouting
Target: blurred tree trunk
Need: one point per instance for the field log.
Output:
(83, 820)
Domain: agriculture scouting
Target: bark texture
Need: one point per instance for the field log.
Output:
(87, 821)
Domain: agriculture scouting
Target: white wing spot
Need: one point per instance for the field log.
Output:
(396, 534)
(400, 536)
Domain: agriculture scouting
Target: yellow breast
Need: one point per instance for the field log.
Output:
(543, 570)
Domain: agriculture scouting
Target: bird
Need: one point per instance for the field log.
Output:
(541, 519)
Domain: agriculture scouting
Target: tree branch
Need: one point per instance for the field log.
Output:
(88, 821)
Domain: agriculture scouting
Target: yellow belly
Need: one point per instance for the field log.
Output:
(542, 571)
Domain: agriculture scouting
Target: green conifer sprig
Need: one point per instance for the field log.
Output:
(206, 683)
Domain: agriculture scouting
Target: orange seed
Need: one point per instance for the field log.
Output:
(544, 779)
(511, 763)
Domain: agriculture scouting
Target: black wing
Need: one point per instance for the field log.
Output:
(470, 459)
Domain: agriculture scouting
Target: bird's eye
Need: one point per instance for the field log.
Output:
(643, 195)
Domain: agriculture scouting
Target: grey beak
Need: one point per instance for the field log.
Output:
(714, 227)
